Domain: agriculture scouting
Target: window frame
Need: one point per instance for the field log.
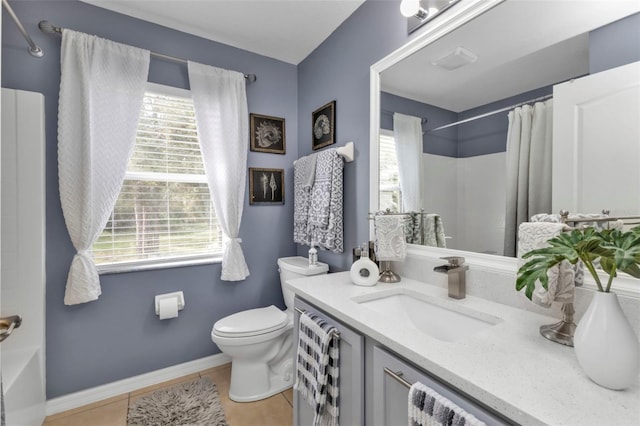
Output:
(173, 261)
(387, 134)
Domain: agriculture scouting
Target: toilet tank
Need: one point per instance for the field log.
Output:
(297, 267)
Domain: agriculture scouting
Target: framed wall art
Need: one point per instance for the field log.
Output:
(323, 121)
(267, 134)
(266, 186)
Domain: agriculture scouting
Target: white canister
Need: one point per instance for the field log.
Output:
(364, 272)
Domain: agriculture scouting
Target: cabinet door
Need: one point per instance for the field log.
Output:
(351, 382)
(390, 395)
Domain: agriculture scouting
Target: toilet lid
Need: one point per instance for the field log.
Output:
(251, 322)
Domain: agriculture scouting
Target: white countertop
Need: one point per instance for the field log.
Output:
(509, 367)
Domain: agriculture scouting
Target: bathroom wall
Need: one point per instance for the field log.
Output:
(339, 70)
(615, 44)
(489, 135)
(479, 137)
(444, 142)
(119, 335)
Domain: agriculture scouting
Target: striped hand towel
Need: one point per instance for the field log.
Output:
(429, 408)
(317, 368)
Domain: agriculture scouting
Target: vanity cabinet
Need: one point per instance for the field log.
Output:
(351, 382)
(392, 377)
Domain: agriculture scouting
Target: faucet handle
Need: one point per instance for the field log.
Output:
(454, 261)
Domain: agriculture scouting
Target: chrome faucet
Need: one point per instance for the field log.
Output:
(455, 270)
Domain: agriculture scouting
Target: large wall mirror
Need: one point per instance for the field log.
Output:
(460, 80)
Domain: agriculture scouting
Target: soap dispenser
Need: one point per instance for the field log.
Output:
(313, 256)
(364, 271)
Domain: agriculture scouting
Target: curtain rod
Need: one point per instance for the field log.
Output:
(48, 28)
(388, 111)
(34, 49)
(487, 114)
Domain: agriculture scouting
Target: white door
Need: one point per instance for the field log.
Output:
(22, 265)
(596, 143)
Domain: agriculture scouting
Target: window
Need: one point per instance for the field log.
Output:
(390, 195)
(164, 212)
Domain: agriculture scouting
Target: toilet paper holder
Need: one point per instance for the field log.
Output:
(175, 295)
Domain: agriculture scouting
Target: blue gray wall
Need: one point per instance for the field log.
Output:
(339, 70)
(489, 135)
(479, 137)
(443, 142)
(615, 44)
(119, 335)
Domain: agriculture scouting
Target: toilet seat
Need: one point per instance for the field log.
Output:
(253, 322)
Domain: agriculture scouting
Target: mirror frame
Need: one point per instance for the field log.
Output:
(454, 18)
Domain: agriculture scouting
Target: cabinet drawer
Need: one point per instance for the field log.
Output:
(390, 396)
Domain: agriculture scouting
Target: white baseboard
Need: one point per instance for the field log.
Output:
(99, 393)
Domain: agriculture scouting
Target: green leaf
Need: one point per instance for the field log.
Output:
(615, 251)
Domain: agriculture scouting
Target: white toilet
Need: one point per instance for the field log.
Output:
(260, 341)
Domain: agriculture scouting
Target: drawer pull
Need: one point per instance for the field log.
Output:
(398, 377)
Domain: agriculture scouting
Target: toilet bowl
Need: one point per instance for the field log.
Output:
(260, 341)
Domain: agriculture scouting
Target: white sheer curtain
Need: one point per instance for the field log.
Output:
(220, 103)
(101, 90)
(407, 132)
(529, 144)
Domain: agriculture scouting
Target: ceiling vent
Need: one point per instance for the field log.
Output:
(456, 59)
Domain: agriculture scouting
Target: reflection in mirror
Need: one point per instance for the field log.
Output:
(481, 103)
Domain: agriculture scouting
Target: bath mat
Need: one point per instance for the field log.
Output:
(193, 403)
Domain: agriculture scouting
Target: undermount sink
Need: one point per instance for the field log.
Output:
(440, 319)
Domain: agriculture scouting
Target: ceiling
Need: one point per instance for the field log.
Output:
(287, 30)
(521, 45)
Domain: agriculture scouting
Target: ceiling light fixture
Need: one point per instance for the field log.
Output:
(409, 8)
(419, 12)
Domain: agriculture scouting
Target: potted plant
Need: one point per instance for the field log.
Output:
(606, 346)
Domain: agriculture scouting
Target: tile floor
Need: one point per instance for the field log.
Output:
(274, 411)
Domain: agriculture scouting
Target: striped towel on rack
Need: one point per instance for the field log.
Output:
(429, 408)
(317, 368)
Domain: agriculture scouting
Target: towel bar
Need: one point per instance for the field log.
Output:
(398, 377)
(336, 333)
(346, 151)
(564, 217)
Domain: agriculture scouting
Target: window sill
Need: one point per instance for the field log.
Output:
(145, 265)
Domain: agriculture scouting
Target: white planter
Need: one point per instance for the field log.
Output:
(605, 344)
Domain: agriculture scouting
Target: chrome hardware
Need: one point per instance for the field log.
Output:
(455, 270)
(387, 275)
(397, 375)
(561, 332)
(8, 324)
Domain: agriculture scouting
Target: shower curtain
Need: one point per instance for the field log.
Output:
(529, 144)
(407, 132)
